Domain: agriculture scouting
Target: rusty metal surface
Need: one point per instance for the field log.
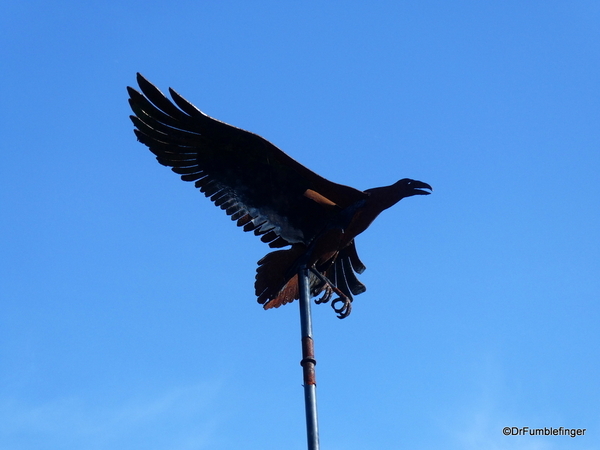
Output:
(308, 361)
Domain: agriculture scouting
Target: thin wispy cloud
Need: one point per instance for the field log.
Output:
(178, 418)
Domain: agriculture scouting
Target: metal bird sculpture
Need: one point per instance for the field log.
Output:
(268, 192)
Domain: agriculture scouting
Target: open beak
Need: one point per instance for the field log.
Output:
(418, 185)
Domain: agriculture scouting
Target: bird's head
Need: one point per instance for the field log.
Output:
(407, 188)
(388, 196)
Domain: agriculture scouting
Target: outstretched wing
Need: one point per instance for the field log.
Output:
(252, 180)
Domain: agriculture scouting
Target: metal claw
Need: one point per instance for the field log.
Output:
(344, 310)
(326, 295)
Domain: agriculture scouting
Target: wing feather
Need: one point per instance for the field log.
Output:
(245, 175)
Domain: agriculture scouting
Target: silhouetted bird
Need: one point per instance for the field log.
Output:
(267, 192)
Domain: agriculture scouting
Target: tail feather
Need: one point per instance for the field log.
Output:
(287, 294)
(276, 279)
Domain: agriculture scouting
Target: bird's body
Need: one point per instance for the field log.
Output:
(267, 192)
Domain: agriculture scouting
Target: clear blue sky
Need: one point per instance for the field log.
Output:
(127, 313)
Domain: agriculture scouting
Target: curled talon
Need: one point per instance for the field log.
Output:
(326, 296)
(344, 310)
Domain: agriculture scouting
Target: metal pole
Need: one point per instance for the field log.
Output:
(308, 362)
